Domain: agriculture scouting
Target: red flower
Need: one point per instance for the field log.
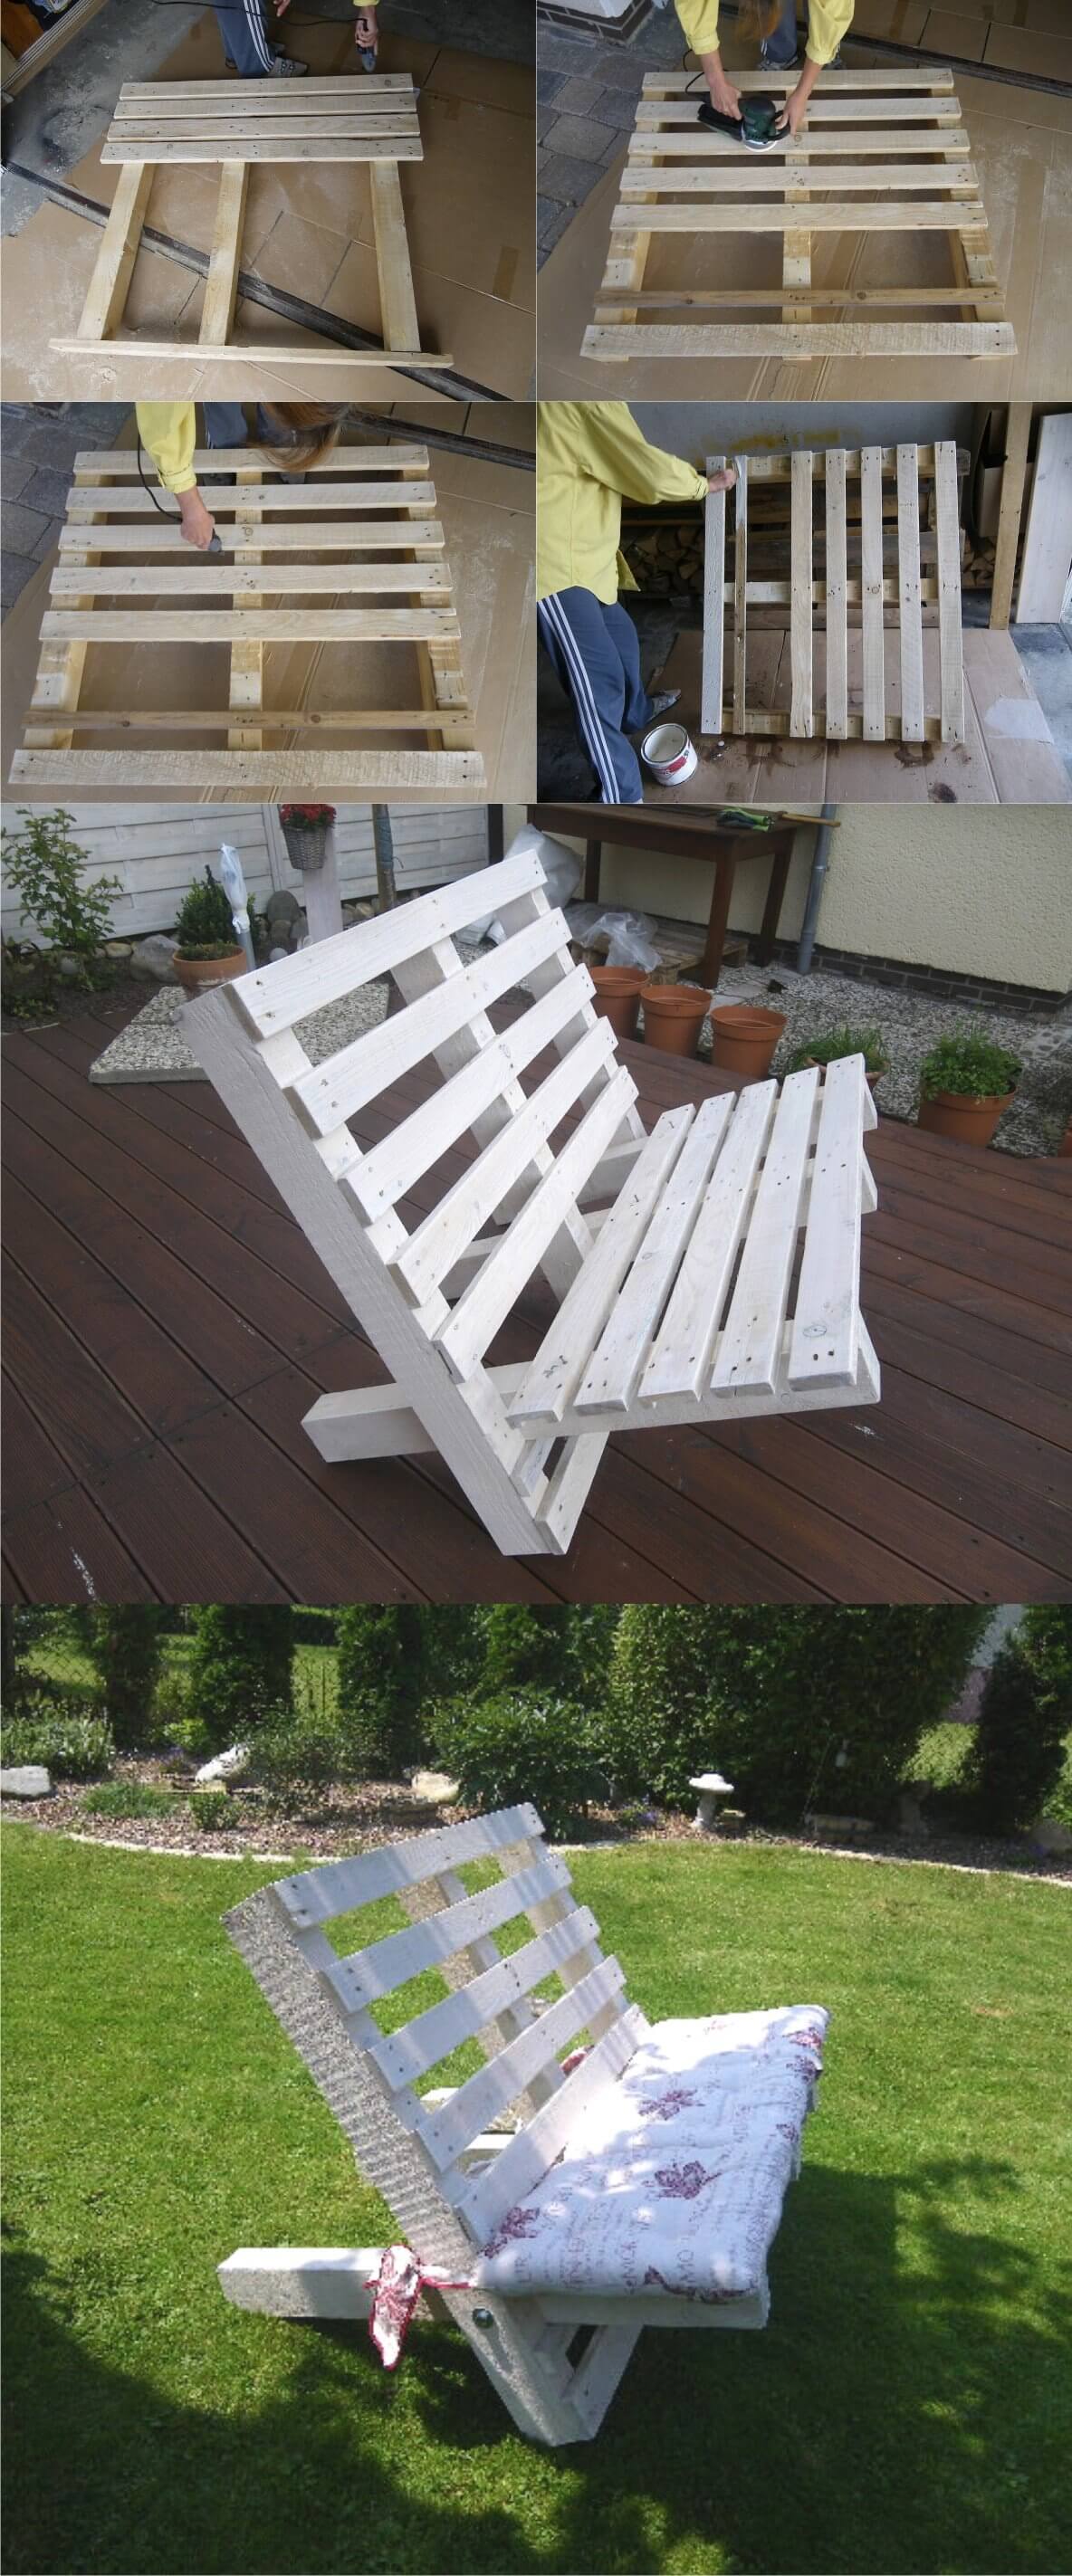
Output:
(309, 815)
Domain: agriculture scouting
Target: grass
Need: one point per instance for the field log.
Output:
(907, 2408)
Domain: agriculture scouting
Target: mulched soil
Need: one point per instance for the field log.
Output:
(356, 1817)
(115, 1002)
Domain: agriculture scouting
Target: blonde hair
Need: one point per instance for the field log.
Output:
(758, 18)
(310, 432)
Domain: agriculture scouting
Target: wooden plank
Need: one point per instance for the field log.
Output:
(713, 613)
(118, 502)
(198, 580)
(836, 597)
(911, 618)
(793, 340)
(446, 2132)
(428, 1255)
(398, 304)
(246, 673)
(562, 1360)
(221, 284)
(484, 2199)
(282, 719)
(913, 215)
(740, 594)
(950, 640)
(874, 674)
(380, 774)
(724, 180)
(225, 626)
(369, 1974)
(751, 1343)
(825, 1341)
(315, 1896)
(1017, 433)
(273, 997)
(404, 2055)
(322, 536)
(610, 1379)
(1047, 557)
(802, 719)
(183, 93)
(680, 1355)
(487, 1302)
(114, 263)
(330, 1093)
(260, 353)
(378, 152)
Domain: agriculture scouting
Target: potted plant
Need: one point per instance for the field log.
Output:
(208, 951)
(743, 1039)
(305, 831)
(674, 1015)
(829, 1044)
(965, 1086)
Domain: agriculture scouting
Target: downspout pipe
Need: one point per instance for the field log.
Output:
(816, 881)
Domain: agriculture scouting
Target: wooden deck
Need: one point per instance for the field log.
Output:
(167, 1328)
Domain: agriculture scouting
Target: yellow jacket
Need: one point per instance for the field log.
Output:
(169, 431)
(587, 456)
(828, 22)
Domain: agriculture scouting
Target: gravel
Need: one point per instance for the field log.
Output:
(152, 1047)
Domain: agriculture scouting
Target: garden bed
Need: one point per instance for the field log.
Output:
(359, 1815)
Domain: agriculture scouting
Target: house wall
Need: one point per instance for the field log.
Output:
(157, 850)
(993, 902)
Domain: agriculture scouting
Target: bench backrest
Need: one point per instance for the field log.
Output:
(488, 1996)
(346, 1193)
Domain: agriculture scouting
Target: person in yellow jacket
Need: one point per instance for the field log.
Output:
(776, 24)
(588, 457)
(169, 431)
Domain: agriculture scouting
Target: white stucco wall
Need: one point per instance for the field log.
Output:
(976, 890)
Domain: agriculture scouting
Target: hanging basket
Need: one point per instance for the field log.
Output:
(307, 846)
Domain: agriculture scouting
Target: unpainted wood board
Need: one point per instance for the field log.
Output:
(1047, 555)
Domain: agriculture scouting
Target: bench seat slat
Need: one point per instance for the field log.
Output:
(549, 1384)
(482, 2200)
(678, 1361)
(750, 1346)
(369, 1974)
(825, 1339)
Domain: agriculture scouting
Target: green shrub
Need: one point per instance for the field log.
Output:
(129, 1798)
(522, 1745)
(799, 1708)
(299, 1752)
(211, 1809)
(240, 1667)
(828, 1044)
(968, 1062)
(124, 1646)
(73, 1743)
(1026, 1713)
(46, 870)
(204, 926)
(527, 1649)
(380, 1675)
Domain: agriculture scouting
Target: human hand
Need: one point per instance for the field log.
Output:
(791, 116)
(198, 524)
(724, 98)
(366, 31)
(723, 479)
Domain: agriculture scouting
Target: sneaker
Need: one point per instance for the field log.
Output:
(284, 67)
(778, 62)
(662, 703)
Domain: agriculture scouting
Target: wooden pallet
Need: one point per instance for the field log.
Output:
(371, 118)
(854, 592)
(352, 555)
(880, 151)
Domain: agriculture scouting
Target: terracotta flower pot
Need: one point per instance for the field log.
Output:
(617, 996)
(969, 1122)
(674, 1015)
(744, 1039)
(1065, 1146)
(195, 974)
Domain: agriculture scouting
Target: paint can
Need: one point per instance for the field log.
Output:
(669, 754)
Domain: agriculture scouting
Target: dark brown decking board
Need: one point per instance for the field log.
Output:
(168, 1327)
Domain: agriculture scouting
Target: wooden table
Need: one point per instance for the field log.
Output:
(684, 836)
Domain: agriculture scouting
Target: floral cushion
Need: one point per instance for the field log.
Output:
(677, 2178)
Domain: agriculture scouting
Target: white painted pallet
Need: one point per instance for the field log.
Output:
(351, 554)
(839, 584)
(236, 124)
(555, 2359)
(878, 151)
(705, 1273)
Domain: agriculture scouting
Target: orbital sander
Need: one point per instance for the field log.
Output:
(755, 127)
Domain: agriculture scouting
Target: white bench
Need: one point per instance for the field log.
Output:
(700, 1274)
(643, 2187)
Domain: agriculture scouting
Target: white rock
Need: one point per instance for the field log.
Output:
(1050, 1835)
(224, 1766)
(153, 958)
(26, 1780)
(436, 1786)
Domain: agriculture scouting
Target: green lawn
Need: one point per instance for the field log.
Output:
(908, 2407)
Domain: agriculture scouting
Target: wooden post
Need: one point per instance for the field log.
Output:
(1017, 432)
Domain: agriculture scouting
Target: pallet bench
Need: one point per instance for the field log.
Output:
(568, 2210)
(371, 118)
(836, 507)
(879, 151)
(353, 555)
(704, 1273)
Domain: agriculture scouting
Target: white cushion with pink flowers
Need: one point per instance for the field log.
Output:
(678, 2180)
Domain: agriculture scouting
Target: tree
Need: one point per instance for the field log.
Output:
(381, 1684)
(240, 1667)
(124, 1646)
(1024, 1718)
(800, 1708)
